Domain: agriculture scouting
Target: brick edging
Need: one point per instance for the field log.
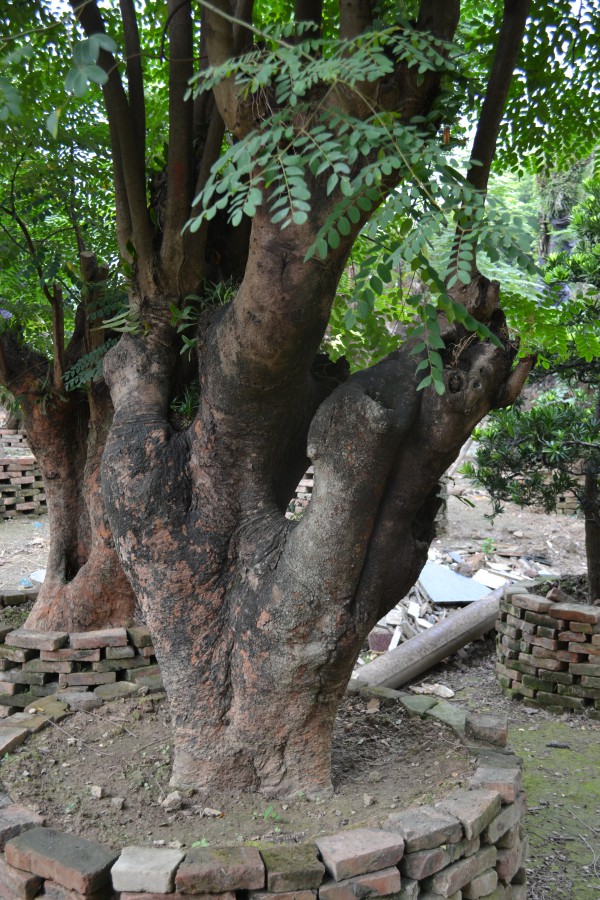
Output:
(469, 845)
(548, 653)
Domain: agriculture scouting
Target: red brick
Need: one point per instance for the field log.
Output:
(15, 819)
(215, 870)
(108, 637)
(532, 603)
(375, 884)
(424, 828)
(16, 885)
(140, 636)
(475, 809)
(16, 654)
(67, 653)
(54, 891)
(37, 640)
(87, 678)
(547, 643)
(424, 862)
(572, 636)
(119, 652)
(230, 895)
(359, 851)
(507, 782)
(70, 860)
(292, 867)
(254, 895)
(576, 612)
(453, 878)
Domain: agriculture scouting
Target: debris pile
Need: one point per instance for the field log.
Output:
(452, 579)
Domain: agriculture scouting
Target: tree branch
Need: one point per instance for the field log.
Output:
(119, 116)
(220, 46)
(58, 338)
(180, 157)
(505, 59)
(135, 77)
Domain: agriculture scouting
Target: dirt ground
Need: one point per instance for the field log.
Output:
(382, 759)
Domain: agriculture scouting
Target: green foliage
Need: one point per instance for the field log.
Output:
(532, 457)
(88, 368)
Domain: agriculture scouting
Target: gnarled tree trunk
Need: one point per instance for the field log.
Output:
(85, 586)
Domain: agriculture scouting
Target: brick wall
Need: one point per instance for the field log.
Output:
(21, 485)
(549, 653)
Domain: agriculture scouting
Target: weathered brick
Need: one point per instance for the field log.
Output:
(574, 636)
(532, 603)
(512, 814)
(55, 891)
(545, 643)
(453, 878)
(585, 669)
(546, 632)
(579, 690)
(422, 863)
(67, 653)
(424, 827)
(10, 738)
(558, 700)
(53, 666)
(489, 728)
(140, 636)
(293, 867)
(70, 860)
(510, 860)
(475, 809)
(481, 886)
(118, 665)
(119, 652)
(558, 677)
(16, 885)
(541, 619)
(108, 637)
(507, 782)
(359, 851)
(15, 819)
(576, 612)
(87, 678)
(33, 722)
(19, 676)
(219, 869)
(582, 628)
(463, 848)
(146, 869)
(256, 895)
(551, 665)
(373, 884)
(37, 640)
(16, 654)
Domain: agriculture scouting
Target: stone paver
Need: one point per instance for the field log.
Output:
(359, 851)
(474, 809)
(453, 878)
(424, 827)
(375, 884)
(481, 886)
(69, 654)
(418, 705)
(510, 815)
(16, 885)
(140, 636)
(68, 859)
(146, 869)
(575, 612)
(488, 728)
(292, 867)
(219, 869)
(107, 637)
(449, 714)
(14, 819)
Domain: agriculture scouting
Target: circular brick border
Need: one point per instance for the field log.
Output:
(469, 845)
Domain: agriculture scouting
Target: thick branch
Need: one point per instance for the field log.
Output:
(180, 159)
(135, 77)
(58, 337)
(119, 116)
(492, 111)
(220, 47)
(355, 16)
(242, 37)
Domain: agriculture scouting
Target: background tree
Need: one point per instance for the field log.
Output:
(53, 294)
(534, 456)
(338, 122)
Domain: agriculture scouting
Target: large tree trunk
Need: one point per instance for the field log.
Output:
(591, 511)
(256, 621)
(85, 586)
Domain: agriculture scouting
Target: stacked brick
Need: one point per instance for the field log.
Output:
(16, 440)
(549, 653)
(35, 666)
(468, 846)
(21, 487)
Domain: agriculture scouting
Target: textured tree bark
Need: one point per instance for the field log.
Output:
(591, 511)
(85, 586)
